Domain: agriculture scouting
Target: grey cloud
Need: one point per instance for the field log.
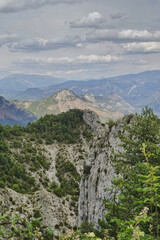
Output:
(118, 15)
(126, 35)
(143, 47)
(40, 44)
(141, 62)
(93, 20)
(7, 6)
(8, 38)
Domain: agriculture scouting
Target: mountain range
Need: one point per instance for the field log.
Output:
(16, 83)
(138, 90)
(109, 98)
(112, 106)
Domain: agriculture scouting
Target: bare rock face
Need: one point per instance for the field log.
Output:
(51, 207)
(98, 172)
(92, 119)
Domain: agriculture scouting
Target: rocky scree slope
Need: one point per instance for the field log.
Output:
(68, 180)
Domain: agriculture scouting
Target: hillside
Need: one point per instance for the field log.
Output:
(62, 170)
(11, 114)
(137, 89)
(112, 106)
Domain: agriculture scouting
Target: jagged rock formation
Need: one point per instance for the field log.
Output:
(10, 114)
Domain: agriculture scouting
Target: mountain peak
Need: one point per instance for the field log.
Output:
(90, 97)
(64, 95)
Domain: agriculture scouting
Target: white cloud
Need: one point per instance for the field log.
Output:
(123, 35)
(97, 59)
(142, 47)
(8, 38)
(93, 20)
(41, 44)
(82, 59)
(75, 71)
(7, 6)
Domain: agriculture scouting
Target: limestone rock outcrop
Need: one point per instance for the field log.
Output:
(93, 161)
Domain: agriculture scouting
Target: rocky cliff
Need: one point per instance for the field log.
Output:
(98, 171)
(92, 158)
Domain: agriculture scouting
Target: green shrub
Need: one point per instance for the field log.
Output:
(2, 184)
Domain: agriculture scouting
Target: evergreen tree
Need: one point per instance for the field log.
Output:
(139, 185)
(143, 128)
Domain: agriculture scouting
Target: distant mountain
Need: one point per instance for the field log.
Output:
(65, 100)
(114, 103)
(11, 114)
(15, 83)
(137, 89)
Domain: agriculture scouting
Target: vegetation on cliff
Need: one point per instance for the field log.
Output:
(22, 152)
(133, 210)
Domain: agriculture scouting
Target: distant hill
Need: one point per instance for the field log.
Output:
(11, 114)
(112, 106)
(15, 83)
(114, 103)
(137, 89)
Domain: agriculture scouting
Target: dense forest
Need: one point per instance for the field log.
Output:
(133, 210)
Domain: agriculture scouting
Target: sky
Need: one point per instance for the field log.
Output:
(79, 39)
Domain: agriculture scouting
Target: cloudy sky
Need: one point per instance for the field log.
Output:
(79, 39)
